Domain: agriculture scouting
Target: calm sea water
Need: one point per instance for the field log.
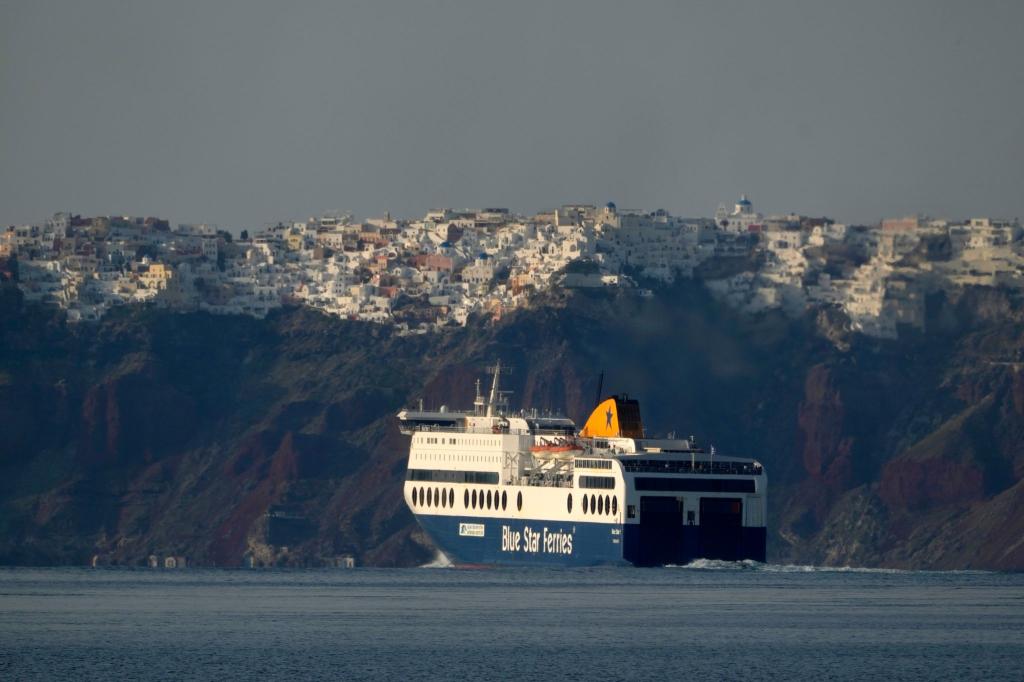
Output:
(712, 621)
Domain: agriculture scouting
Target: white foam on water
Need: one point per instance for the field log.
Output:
(439, 561)
(719, 565)
(748, 565)
(796, 568)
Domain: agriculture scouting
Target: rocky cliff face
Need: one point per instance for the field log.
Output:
(230, 440)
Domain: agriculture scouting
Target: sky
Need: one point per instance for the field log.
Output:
(244, 113)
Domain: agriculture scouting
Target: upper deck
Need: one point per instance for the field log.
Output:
(528, 448)
(445, 421)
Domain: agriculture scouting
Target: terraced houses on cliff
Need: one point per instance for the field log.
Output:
(439, 270)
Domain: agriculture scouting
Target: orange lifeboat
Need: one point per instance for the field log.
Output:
(556, 450)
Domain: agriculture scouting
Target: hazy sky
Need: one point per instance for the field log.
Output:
(245, 112)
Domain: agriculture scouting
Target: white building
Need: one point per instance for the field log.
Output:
(740, 219)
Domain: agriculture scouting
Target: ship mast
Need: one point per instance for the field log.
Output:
(492, 399)
(478, 402)
(497, 401)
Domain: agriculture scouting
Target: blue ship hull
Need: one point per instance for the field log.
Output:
(486, 540)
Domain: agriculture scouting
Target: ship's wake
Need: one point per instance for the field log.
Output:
(748, 565)
(439, 561)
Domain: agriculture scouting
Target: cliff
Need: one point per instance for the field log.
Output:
(231, 439)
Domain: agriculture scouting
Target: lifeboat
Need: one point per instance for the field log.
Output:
(556, 450)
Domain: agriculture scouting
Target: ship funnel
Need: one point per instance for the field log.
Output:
(616, 417)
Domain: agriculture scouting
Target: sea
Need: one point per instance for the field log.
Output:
(708, 620)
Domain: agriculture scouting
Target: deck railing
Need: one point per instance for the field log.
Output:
(648, 466)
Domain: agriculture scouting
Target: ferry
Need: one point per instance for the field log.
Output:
(489, 486)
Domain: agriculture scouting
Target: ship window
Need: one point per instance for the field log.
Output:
(465, 500)
(519, 501)
(504, 499)
(568, 503)
(600, 505)
(423, 500)
(615, 505)
(694, 484)
(608, 504)
(474, 499)
(415, 497)
(605, 482)
(430, 497)
(586, 504)
(444, 498)
(451, 497)
(488, 499)
(450, 476)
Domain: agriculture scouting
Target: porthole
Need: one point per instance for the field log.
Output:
(504, 500)
(474, 499)
(444, 498)
(488, 499)
(451, 497)
(430, 497)
(465, 499)
(608, 504)
(568, 503)
(586, 504)
(519, 501)
(423, 497)
(415, 497)
(615, 505)
(600, 505)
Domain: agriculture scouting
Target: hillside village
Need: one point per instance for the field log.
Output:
(437, 271)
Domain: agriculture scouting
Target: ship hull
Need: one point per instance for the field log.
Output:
(516, 541)
(683, 544)
(476, 540)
